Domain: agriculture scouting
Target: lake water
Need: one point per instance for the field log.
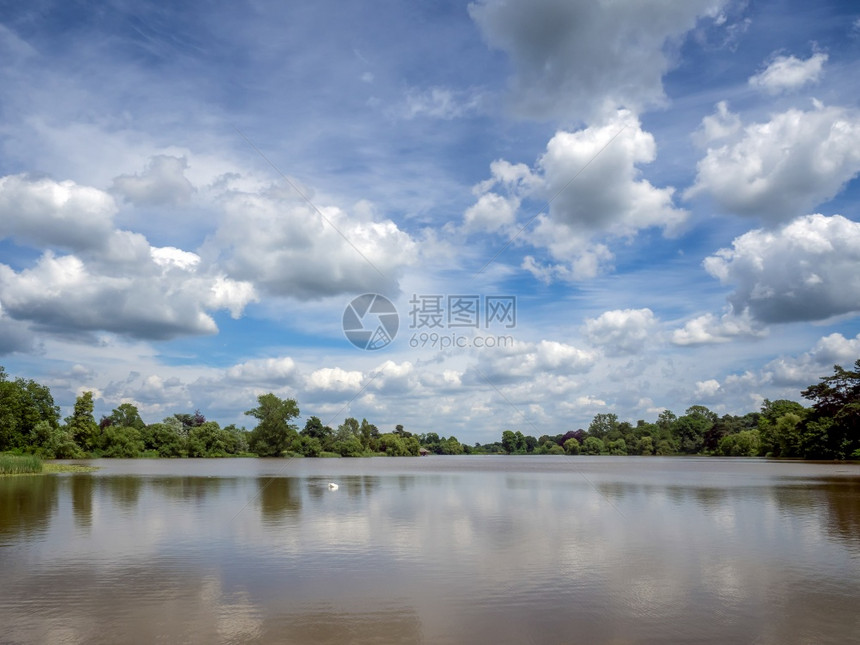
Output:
(592, 550)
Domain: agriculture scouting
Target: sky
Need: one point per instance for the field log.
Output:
(573, 207)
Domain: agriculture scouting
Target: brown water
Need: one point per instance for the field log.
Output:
(585, 550)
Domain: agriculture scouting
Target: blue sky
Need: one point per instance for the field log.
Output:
(190, 196)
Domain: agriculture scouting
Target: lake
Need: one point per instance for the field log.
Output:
(482, 549)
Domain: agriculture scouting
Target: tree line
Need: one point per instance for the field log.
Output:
(828, 429)
(30, 424)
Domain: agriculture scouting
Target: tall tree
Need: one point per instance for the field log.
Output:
(82, 425)
(126, 415)
(24, 404)
(602, 425)
(274, 432)
(836, 413)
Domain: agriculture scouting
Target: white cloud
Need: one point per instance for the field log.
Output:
(440, 103)
(785, 73)
(50, 213)
(804, 370)
(491, 213)
(285, 248)
(621, 331)
(707, 389)
(144, 300)
(805, 270)
(589, 402)
(720, 125)
(526, 360)
(113, 280)
(162, 182)
(592, 181)
(709, 329)
(784, 167)
(571, 59)
(263, 371)
(335, 379)
(167, 256)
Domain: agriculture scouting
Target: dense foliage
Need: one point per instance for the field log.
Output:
(830, 429)
(30, 423)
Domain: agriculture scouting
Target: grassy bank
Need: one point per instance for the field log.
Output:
(33, 465)
(20, 464)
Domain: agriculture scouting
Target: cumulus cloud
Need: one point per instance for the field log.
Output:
(285, 248)
(524, 360)
(571, 59)
(708, 329)
(334, 379)
(162, 182)
(265, 371)
(622, 331)
(786, 73)
(491, 213)
(720, 125)
(63, 214)
(784, 167)
(807, 368)
(592, 181)
(142, 300)
(804, 270)
(113, 280)
(707, 389)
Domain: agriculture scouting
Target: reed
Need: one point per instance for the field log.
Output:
(19, 464)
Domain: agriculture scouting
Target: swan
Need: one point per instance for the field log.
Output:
(332, 486)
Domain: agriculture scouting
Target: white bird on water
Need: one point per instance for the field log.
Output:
(332, 486)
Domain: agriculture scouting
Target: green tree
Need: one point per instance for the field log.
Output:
(664, 447)
(121, 443)
(413, 446)
(164, 439)
(392, 445)
(24, 404)
(837, 399)
(450, 446)
(593, 446)
(348, 429)
(209, 440)
(781, 440)
(315, 429)
(690, 429)
(274, 432)
(571, 446)
(509, 441)
(745, 443)
(55, 442)
(126, 415)
(617, 447)
(602, 425)
(369, 434)
(189, 421)
(785, 436)
(666, 419)
(307, 446)
(352, 447)
(82, 426)
(646, 445)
